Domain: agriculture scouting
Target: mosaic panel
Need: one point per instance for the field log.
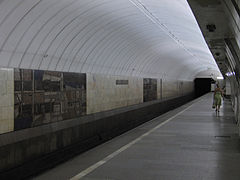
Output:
(44, 96)
(149, 89)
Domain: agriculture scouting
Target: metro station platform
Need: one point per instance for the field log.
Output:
(188, 143)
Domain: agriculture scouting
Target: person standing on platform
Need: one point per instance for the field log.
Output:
(218, 94)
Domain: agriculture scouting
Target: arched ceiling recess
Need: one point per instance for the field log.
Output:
(144, 38)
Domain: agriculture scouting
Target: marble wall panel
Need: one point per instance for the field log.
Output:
(170, 88)
(174, 88)
(105, 92)
(187, 87)
(6, 100)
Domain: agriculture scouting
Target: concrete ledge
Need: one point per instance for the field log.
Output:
(26, 152)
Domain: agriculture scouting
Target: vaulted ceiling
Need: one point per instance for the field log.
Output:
(219, 22)
(145, 38)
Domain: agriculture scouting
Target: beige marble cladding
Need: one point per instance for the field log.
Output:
(170, 88)
(104, 94)
(174, 88)
(187, 87)
(6, 100)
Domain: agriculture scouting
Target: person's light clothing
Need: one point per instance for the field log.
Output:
(218, 98)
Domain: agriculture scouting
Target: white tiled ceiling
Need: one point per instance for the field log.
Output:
(147, 38)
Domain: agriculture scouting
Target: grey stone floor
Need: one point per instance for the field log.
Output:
(195, 145)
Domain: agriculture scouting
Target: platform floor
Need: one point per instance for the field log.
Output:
(188, 143)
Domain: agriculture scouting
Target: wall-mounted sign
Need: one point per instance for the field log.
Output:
(121, 82)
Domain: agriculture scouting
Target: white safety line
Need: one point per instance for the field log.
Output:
(109, 157)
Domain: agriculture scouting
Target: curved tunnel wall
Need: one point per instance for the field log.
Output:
(126, 37)
(156, 47)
